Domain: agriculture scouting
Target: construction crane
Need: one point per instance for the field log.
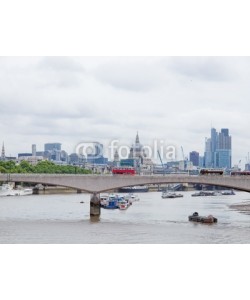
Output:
(161, 162)
(184, 159)
(183, 156)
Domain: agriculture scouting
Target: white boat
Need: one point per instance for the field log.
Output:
(134, 189)
(8, 190)
(171, 195)
(131, 197)
(123, 204)
(25, 192)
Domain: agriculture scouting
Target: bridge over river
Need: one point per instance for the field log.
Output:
(103, 183)
(96, 184)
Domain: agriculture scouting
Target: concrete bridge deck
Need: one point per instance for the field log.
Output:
(103, 183)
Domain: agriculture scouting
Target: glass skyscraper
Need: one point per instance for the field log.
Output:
(218, 149)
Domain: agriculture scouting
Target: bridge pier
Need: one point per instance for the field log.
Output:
(95, 205)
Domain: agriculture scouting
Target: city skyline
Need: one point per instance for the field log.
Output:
(74, 99)
(216, 154)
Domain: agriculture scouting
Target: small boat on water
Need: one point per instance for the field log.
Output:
(171, 195)
(114, 201)
(123, 204)
(109, 201)
(134, 189)
(203, 193)
(131, 197)
(213, 193)
(8, 190)
(207, 219)
(228, 192)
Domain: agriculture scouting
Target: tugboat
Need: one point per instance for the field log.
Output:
(196, 218)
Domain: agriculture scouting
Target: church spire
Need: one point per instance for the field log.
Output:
(137, 141)
(3, 152)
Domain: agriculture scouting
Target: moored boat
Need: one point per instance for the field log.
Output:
(110, 201)
(202, 219)
(171, 195)
(134, 189)
(123, 204)
(8, 190)
(204, 193)
(213, 193)
(131, 197)
(228, 192)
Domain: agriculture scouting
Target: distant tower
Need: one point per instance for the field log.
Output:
(33, 150)
(136, 151)
(137, 141)
(3, 153)
(116, 158)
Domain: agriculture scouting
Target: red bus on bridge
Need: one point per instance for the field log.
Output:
(123, 170)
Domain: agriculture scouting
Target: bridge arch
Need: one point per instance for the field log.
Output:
(44, 179)
(167, 181)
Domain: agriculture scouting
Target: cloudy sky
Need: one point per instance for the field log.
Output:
(75, 99)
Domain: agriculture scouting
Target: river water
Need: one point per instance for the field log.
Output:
(60, 219)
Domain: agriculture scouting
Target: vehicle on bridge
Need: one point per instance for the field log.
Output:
(211, 171)
(240, 173)
(123, 171)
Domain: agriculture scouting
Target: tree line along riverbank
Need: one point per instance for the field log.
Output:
(42, 167)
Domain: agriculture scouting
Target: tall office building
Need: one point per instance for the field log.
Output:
(223, 156)
(52, 147)
(194, 158)
(208, 153)
(218, 149)
(33, 150)
(3, 153)
(96, 157)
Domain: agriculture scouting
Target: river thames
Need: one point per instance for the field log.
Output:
(60, 219)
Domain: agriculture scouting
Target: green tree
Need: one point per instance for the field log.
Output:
(2, 170)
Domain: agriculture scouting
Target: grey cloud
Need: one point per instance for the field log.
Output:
(61, 72)
(203, 68)
(130, 74)
(73, 99)
(60, 64)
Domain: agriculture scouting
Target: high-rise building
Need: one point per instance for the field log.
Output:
(201, 161)
(3, 153)
(208, 153)
(213, 145)
(52, 146)
(218, 149)
(96, 156)
(194, 158)
(224, 149)
(33, 150)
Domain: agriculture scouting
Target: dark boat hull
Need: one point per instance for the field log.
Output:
(203, 219)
